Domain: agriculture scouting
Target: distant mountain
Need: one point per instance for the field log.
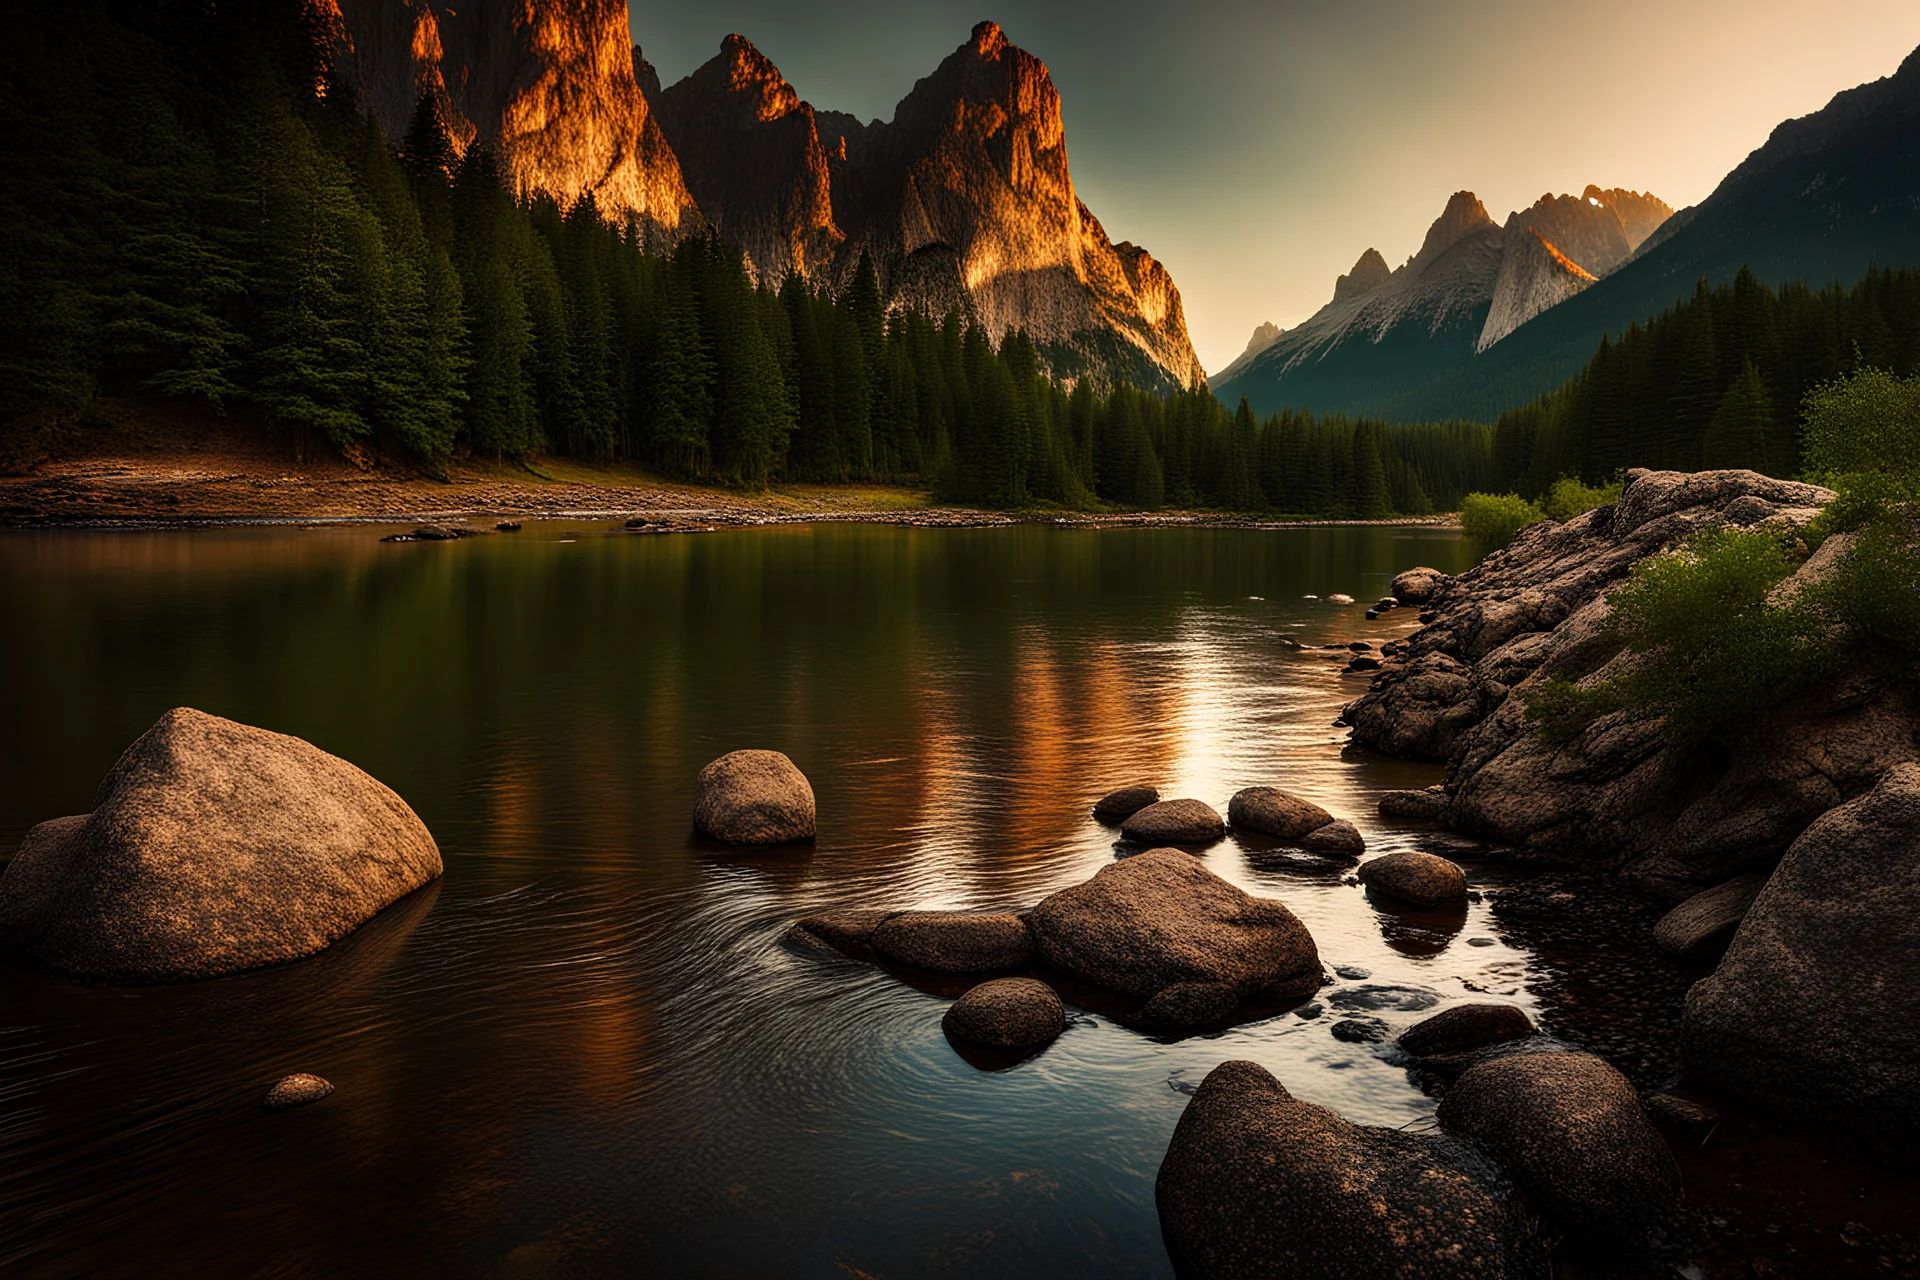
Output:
(1828, 195)
(963, 200)
(1264, 336)
(1473, 283)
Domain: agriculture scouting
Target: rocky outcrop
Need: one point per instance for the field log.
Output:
(752, 157)
(1618, 795)
(1815, 1009)
(549, 85)
(1160, 918)
(1258, 1184)
(753, 798)
(1007, 1013)
(1570, 1130)
(212, 847)
(1368, 274)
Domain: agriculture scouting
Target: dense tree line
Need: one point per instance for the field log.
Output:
(193, 212)
(1715, 381)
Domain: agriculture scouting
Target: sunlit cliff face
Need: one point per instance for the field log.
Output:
(549, 85)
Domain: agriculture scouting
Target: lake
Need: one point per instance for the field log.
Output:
(590, 1048)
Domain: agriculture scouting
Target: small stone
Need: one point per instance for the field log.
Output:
(1359, 646)
(1273, 812)
(508, 526)
(297, 1090)
(1308, 1012)
(1337, 839)
(1364, 664)
(1339, 597)
(1360, 1030)
(1007, 1013)
(1353, 972)
(1430, 805)
(1124, 803)
(753, 798)
(1479, 942)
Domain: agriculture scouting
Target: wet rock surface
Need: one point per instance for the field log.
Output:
(1835, 932)
(1570, 1130)
(1124, 803)
(1187, 822)
(849, 931)
(954, 941)
(1187, 1006)
(1337, 839)
(297, 1090)
(1702, 926)
(1007, 1013)
(1160, 919)
(1466, 1026)
(1430, 805)
(753, 798)
(1276, 813)
(212, 847)
(1258, 1184)
(1424, 879)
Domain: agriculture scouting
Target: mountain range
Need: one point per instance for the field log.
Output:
(1484, 318)
(963, 201)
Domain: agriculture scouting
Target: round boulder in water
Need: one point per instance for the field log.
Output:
(1188, 1006)
(1174, 822)
(1276, 813)
(297, 1090)
(212, 847)
(1124, 803)
(1466, 1026)
(1007, 1013)
(1417, 586)
(1422, 879)
(1257, 1185)
(1570, 1130)
(753, 797)
(1338, 839)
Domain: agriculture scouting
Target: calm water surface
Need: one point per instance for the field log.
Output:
(589, 1050)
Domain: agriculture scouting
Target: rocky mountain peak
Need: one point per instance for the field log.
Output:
(1463, 216)
(1368, 274)
(1641, 213)
(646, 75)
(988, 39)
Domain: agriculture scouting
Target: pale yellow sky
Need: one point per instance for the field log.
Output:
(1258, 146)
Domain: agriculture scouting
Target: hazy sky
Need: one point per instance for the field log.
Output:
(1258, 148)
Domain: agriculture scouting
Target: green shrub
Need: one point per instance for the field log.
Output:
(1861, 423)
(1493, 518)
(1569, 498)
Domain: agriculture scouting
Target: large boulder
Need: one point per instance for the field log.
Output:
(954, 941)
(1701, 927)
(212, 847)
(1418, 585)
(1815, 1008)
(1273, 812)
(753, 797)
(1423, 879)
(1160, 918)
(1257, 1184)
(1174, 822)
(1570, 1130)
(1007, 1013)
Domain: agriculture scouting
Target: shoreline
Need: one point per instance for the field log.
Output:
(187, 490)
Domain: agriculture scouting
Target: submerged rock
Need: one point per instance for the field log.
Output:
(1124, 803)
(297, 1090)
(1701, 927)
(212, 847)
(1187, 1006)
(1256, 1184)
(1007, 1013)
(848, 930)
(1815, 1008)
(1160, 919)
(954, 941)
(1276, 813)
(1361, 1030)
(1466, 1026)
(753, 798)
(1174, 822)
(1424, 879)
(1570, 1130)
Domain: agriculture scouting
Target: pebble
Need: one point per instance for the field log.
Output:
(297, 1090)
